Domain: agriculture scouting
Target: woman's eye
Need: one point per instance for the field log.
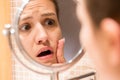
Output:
(25, 27)
(50, 22)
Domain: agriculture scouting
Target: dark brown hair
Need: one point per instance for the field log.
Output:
(56, 7)
(100, 9)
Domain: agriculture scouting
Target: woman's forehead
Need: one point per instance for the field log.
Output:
(39, 6)
(39, 3)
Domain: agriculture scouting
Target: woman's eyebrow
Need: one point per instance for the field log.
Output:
(25, 17)
(48, 14)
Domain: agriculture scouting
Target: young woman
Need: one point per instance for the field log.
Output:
(40, 32)
(100, 35)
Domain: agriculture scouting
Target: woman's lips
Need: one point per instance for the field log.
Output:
(45, 53)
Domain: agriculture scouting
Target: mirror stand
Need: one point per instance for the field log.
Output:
(54, 76)
(15, 44)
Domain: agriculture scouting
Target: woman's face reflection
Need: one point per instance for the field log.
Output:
(40, 31)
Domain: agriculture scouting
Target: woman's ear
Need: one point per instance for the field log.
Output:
(110, 25)
(111, 28)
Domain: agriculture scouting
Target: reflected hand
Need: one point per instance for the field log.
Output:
(60, 51)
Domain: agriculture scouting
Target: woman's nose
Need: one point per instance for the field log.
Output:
(41, 35)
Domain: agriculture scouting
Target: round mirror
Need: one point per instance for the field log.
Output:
(47, 35)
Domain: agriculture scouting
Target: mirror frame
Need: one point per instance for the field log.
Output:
(26, 60)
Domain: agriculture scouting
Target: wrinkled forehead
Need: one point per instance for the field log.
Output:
(39, 5)
(37, 8)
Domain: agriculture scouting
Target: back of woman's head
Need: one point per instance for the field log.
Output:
(100, 9)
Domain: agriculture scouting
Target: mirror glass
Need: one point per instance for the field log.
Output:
(48, 32)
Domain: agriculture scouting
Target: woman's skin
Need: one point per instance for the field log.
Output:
(102, 44)
(40, 32)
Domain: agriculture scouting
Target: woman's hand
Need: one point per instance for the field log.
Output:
(60, 51)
